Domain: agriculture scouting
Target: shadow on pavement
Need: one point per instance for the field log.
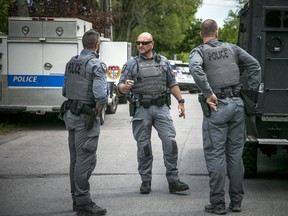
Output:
(20, 121)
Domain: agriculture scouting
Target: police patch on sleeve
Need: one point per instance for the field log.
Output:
(192, 53)
(103, 66)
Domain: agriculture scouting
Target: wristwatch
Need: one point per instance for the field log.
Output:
(181, 101)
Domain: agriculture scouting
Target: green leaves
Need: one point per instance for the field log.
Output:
(4, 6)
(167, 20)
(229, 32)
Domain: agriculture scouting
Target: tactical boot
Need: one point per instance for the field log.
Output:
(145, 187)
(90, 209)
(177, 186)
(219, 209)
(235, 207)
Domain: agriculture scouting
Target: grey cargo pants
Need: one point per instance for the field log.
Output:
(159, 117)
(224, 137)
(82, 146)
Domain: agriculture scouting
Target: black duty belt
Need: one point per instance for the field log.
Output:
(146, 103)
(78, 107)
(229, 92)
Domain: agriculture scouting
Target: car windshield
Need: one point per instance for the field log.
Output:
(181, 68)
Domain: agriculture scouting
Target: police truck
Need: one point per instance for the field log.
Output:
(263, 32)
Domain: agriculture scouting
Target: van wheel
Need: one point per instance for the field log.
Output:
(102, 117)
(249, 157)
(113, 104)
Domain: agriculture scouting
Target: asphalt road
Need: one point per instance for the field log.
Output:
(34, 165)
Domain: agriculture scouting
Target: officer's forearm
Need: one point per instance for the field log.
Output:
(175, 91)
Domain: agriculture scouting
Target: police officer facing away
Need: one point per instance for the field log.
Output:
(85, 88)
(149, 77)
(214, 66)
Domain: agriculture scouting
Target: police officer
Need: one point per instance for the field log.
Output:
(148, 76)
(85, 88)
(214, 66)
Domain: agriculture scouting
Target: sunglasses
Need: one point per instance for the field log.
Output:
(143, 42)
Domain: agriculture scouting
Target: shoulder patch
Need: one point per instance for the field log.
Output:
(192, 53)
(104, 67)
(196, 50)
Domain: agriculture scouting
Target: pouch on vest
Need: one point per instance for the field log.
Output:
(76, 107)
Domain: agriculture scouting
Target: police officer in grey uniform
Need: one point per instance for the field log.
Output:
(85, 88)
(214, 66)
(148, 77)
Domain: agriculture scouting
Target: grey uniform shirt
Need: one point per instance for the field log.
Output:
(130, 69)
(98, 69)
(244, 59)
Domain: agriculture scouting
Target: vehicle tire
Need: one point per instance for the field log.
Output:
(102, 117)
(113, 103)
(250, 153)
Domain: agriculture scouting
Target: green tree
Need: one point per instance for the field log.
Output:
(166, 20)
(4, 6)
(191, 40)
(229, 31)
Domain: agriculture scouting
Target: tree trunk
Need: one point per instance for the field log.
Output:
(22, 8)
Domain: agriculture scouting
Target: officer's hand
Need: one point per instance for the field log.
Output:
(212, 102)
(181, 110)
(125, 87)
(99, 109)
(129, 84)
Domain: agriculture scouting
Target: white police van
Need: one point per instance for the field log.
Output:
(33, 58)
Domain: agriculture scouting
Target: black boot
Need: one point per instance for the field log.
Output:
(145, 187)
(90, 209)
(219, 209)
(177, 186)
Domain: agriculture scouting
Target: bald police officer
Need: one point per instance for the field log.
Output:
(85, 88)
(148, 76)
(214, 66)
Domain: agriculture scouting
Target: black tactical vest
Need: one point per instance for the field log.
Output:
(150, 80)
(220, 65)
(79, 82)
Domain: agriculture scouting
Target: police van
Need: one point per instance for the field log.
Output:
(33, 58)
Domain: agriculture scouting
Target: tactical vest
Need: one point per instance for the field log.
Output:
(78, 82)
(220, 65)
(150, 80)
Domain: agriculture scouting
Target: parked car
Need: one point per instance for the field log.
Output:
(183, 76)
